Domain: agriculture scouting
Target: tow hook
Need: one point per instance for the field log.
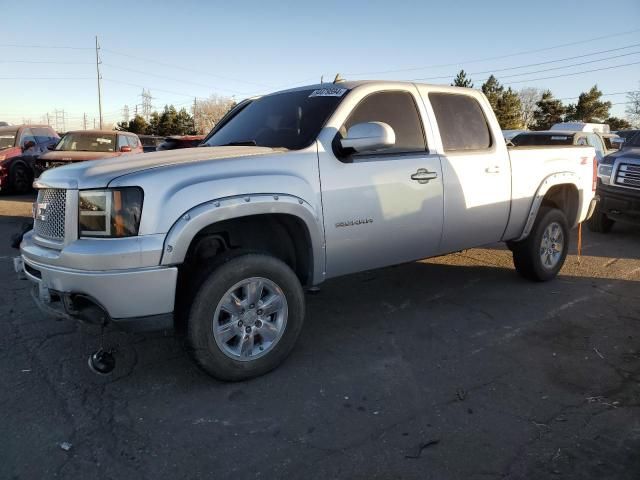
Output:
(102, 362)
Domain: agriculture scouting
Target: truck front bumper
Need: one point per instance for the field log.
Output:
(619, 204)
(136, 298)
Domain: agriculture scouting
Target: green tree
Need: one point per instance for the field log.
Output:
(493, 90)
(183, 123)
(462, 80)
(136, 125)
(590, 108)
(616, 123)
(509, 110)
(550, 110)
(154, 124)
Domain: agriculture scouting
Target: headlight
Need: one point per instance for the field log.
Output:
(110, 213)
(604, 172)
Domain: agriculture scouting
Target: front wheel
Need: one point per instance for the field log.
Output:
(246, 317)
(21, 179)
(541, 255)
(599, 222)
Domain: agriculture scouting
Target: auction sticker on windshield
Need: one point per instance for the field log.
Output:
(328, 92)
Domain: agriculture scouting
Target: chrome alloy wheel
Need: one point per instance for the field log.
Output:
(551, 246)
(250, 319)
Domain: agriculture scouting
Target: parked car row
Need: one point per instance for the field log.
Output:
(26, 151)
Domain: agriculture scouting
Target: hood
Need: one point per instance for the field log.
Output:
(630, 153)
(98, 173)
(73, 156)
(9, 152)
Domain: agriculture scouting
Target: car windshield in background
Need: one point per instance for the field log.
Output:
(528, 140)
(86, 142)
(290, 120)
(7, 139)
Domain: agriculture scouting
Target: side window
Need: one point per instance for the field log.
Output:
(27, 136)
(461, 122)
(133, 142)
(399, 111)
(122, 141)
(595, 142)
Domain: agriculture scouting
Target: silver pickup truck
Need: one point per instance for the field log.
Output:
(292, 189)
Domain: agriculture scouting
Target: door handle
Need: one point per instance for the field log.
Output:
(423, 175)
(493, 169)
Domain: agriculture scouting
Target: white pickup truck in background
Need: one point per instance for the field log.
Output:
(291, 189)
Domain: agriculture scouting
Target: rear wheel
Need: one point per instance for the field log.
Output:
(20, 179)
(599, 222)
(246, 317)
(541, 255)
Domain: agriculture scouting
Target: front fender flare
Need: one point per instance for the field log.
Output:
(560, 178)
(193, 221)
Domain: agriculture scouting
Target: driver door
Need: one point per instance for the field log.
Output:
(378, 208)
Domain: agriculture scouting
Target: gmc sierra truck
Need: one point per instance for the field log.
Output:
(291, 189)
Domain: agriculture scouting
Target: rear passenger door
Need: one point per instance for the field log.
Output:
(476, 172)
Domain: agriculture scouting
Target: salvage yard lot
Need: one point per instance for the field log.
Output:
(449, 368)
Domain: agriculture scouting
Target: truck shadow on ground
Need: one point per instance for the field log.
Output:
(387, 360)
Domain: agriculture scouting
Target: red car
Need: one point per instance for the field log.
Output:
(20, 146)
(84, 145)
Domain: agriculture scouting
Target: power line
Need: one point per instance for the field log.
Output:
(42, 62)
(499, 57)
(15, 45)
(575, 73)
(495, 70)
(180, 67)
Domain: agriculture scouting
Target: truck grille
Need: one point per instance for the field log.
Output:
(49, 213)
(628, 175)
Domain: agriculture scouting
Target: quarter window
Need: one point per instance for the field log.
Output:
(461, 122)
(399, 111)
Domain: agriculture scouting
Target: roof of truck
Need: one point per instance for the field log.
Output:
(351, 84)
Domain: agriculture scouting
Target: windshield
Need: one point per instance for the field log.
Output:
(290, 120)
(8, 139)
(87, 142)
(529, 140)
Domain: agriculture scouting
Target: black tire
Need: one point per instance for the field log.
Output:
(527, 253)
(204, 348)
(599, 222)
(20, 179)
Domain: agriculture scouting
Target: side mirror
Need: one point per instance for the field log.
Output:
(28, 144)
(369, 137)
(125, 149)
(51, 146)
(616, 143)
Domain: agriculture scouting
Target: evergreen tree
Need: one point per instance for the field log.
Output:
(462, 80)
(154, 123)
(183, 123)
(509, 110)
(136, 125)
(616, 123)
(550, 110)
(590, 108)
(493, 90)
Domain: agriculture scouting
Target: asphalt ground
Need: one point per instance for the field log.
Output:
(450, 368)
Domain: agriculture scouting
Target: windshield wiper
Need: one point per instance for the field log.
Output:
(243, 143)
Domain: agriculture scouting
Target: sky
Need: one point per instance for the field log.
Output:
(194, 49)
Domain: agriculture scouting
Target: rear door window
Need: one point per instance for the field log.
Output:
(133, 142)
(399, 111)
(461, 122)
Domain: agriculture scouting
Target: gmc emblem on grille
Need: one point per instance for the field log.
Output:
(40, 211)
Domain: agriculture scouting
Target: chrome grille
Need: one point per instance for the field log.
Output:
(628, 175)
(49, 213)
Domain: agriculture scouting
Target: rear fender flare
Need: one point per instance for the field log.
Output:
(560, 178)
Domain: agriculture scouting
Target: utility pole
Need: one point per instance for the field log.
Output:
(94, 123)
(84, 121)
(48, 121)
(146, 104)
(195, 123)
(99, 90)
